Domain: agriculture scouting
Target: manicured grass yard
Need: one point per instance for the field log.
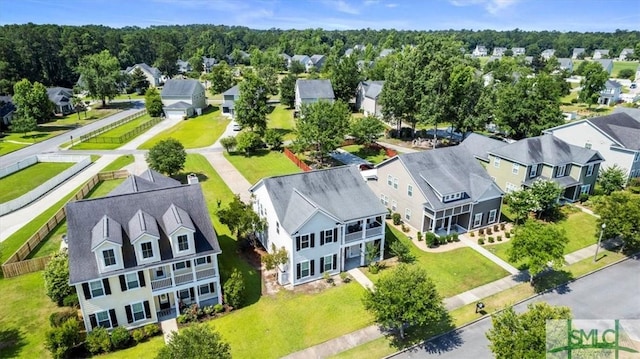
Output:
(25, 180)
(621, 65)
(262, 164)
(372, 155)
(196, 132)
(113, 133)
(282, 120)
(119, 163)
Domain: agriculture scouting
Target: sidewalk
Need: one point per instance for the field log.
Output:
(495, 259)
(399, 149)
(359, 277)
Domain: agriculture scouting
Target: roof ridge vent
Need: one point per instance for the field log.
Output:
(176, 215)
(143, 224)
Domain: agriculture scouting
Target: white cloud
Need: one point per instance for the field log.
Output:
(370, 2)
(342, 6)
(392, 5)
(492, 6)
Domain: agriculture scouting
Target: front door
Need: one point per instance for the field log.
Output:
(164, 301)
(353, 251)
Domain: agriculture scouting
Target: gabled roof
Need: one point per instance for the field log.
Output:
(106, 230)
(605, 63)
(176, 217)
(612, 84)
(565, 62)
(180, 105)
(385, 52)
(372, 89)
(208, 61)
(340, 192)
(83, 215)
(545, 149)
(142, 223)
(621, 127)
(316, 58)
(153, 71)
(300, 58)
(320, 89)
(146, 181)
(60, 95)
(449, 170)
(181, 88)
(235, 91)
(479, 145)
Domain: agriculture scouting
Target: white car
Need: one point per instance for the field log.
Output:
(236, 126)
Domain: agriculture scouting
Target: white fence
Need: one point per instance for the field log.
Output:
(81, 163)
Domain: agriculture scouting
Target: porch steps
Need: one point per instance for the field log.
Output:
(168, 326)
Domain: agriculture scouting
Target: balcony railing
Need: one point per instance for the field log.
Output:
(374, 231)
(355, 236)
(184, 278)
(160, 283)
(206, 273)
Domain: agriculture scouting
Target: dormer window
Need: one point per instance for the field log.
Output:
(452, 197)
(109, 256)
(183, 242)
(147, 250)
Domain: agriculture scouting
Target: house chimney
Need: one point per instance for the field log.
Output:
(192, 178)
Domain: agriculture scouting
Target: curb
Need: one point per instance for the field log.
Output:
(632, 256)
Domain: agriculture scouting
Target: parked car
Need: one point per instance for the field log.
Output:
(236, 126)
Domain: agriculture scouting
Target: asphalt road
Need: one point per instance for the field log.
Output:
(612, 293)
(51, 145)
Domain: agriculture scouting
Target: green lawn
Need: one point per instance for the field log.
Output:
(25, 180)
(119, 163)
(115, 132)
(201, 131)
(262, 164)
(377, 348)
(282, 120)
(454, 271)
(373, 155)
(621, 65)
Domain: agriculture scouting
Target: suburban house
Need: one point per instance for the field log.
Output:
(7, 108)
(153, 75)
(61, 99)
(310, 91)
(518, 51)
(616, 137)
(183, 66)
(548, 53)
(566, 64)
(610, 95)
(385, 53)
(362, 65)
(208, 63)
(499, 51)
(607, 64)
(624, 54)
(577, 52)
(286, 60)
(521, 163)
(318, 61)
(142, 253)
(183, 98)
(304, 60)
(324, 219)
(229, 98)
(479, 51)
(368, 93)
(442, 191)
(600, 54)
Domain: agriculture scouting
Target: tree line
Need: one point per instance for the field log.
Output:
(50, 54)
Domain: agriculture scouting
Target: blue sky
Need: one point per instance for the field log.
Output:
(562, 15)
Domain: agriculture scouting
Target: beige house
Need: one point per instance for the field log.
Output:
(142, 253)
(183, 98)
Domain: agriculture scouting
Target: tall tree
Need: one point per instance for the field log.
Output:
(269, 77)
(139, 82)
(539, 245)
(546, 194)
(167, 58)
(406, 296)
(221, 78)
(23, 124)
(366, 130)
(167, 156)
(345, 77)
(465, 93)
(322, 126)
(101, 75)
(399, 98)
(594, 78)
(523, 335)
(196, 341)
(153, 102)
(620, 211)
(612, 179)
(32, 101)
(288, 90)
(241, 218)
(251, 108)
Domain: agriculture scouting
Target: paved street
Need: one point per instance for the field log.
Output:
(612, 293)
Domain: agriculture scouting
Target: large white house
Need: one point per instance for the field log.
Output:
(367, 98)
(310, 91)
(615, 136)
(141, 253)
(324, 219)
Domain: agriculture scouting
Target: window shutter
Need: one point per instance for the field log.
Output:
(335, 261)
(127, 308)
(313, 240)
(321, 264)
(313, 267)
(141, 278)
(335, 234)
(174, 266)
(114, 319)
(107, 287)
(93, 321)
(87, 292)
(212, 288)
(322, 238)
(298, 271)
(297, 243)
(147, 309)
(208, 259)
(188, 264)
(191, 294)
(123, 283)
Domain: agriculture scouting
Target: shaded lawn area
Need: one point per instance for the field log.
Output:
(373, 155)
(27, 179)
(196, 132)
(377, 348)
(263, 163)
(114, 133)
(24, 140)
(282, 120)
(454, 271)
(621, 65)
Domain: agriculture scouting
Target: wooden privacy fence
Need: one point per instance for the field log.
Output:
(292, 156)
(17, 264)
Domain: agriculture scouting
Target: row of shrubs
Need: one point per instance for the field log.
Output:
(193, 313)
(434, 241)
(490, 239)
(101, 341)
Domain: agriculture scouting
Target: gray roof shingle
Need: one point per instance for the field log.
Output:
(320, 89)
(180, 88)
(372, 89)
(142, 223)
(106, 230)
(175, 218)
(146, 181)
(621, 127)
(59, 95)
(479, 145)
(545, 149)
(234, 91)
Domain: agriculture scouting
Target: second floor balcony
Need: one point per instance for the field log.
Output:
(179, 273)
(362, 229)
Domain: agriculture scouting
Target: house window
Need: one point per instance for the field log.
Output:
(183, 243)
(184, 294)
(103, 320)
(496, 162)
(395, 183)
(132, 280)
(409, 190)
(510, 187)
(328, 236)
(477, 219)
(585, 188)
(180, 265)
(109, 256)
(394, 206)
(407, 214)
(97, 289)
(277, 227)
(206, 289)
(201, 261)
(304, 269)
(534, 171)
(384, 199)
(328, 263)
(515, 168)
(137, 309)
(147, 250)
(492, 216)
(587, 145)
(390, 180)
(590, 170)
(160, 273)
(561, 170)
(304, 241)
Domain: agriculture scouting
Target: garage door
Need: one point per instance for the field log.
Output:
(174, 115)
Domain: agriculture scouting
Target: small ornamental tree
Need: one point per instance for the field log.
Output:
(167, 156)
(153, 102)
(56, 278)
(248, 142)
(241, 218)
(23, 124)
(60, 340)
(196, 341)
(612, 179)
(273, 138)
(234, 289)
(366, 130)
(228, 143)
(275, 258)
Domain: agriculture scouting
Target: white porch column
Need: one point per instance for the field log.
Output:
(193, 269)
(219, 290)
(342, 258)
(173, 276)
(363, 249)
(433, 222)
(195, 291)
(449, 225)
(176, 302)
(382, 241)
